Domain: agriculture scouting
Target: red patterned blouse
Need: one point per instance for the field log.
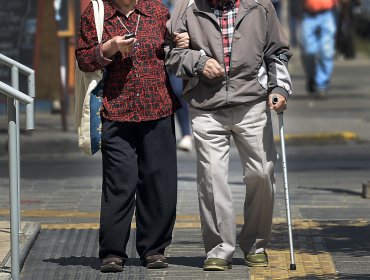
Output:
(136, 88)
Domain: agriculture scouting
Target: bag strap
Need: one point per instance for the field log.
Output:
(99, 17)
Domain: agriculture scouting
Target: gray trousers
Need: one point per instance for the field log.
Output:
(251, 129)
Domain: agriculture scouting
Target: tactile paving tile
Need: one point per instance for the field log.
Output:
(63, 254)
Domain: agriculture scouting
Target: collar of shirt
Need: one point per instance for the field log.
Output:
(111, 9)
(224, 4)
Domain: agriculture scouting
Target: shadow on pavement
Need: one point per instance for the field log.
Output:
(333, 190)
(92, 262)
(354, 277)
(350, 238)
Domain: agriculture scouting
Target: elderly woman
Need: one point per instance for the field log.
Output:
(138, 137)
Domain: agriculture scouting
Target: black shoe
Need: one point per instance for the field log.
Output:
(310, 85)
(112, 264)
(321, 93)
(156, 261)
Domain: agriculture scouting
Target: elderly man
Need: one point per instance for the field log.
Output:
(236, 62)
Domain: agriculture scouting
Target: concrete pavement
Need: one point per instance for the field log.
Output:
(331, 225)
(331, 220)
(341, 118)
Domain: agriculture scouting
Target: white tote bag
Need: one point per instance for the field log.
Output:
(88, 94)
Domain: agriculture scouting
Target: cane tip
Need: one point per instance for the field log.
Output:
(292, 266)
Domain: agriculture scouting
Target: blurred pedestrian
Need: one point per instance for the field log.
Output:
(295, 10)
(138, 136)
(277, 6)
(318, 44)
(186, 141)
(169, 4)
(345, 44)
(229, 91)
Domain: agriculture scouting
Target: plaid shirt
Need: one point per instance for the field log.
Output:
(226, 14)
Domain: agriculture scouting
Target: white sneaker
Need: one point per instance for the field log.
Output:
(186, 143)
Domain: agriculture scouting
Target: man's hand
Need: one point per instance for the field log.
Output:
(213, 69)
(181, 40)
(277, 102)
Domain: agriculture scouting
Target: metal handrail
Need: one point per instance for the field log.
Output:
(23, 98)
(23, 69)
(14, 97)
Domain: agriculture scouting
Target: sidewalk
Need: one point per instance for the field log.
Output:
(27, 237)
(331, 220)
(331, 223)
(341, 118)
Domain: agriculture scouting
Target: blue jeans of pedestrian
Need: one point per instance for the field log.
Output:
(318, 47)
(183, 113)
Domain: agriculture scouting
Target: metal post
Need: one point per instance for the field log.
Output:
(30, 112)
(15, 85)
(13, 165)
(31, 84)
(13, 185)
(14, 97)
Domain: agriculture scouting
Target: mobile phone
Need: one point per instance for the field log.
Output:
(129, 36)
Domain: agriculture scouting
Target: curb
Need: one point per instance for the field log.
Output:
(322, 138)
(48, 144)
(28, 237)
(68, 144)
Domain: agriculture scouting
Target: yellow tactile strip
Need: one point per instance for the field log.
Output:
(53, 213)
(329, 137)
(311, 257)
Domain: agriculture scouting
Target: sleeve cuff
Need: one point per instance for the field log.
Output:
(100, 57)
(281, 91)
(201, 63)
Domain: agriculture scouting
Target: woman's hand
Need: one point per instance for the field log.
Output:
(181, 40)
(124, 46)
(118, 44)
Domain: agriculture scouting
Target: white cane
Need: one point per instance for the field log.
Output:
(275, 99)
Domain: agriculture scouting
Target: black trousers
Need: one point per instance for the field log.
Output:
(139, 173)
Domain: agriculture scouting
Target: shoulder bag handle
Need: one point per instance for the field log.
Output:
(99, 17)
